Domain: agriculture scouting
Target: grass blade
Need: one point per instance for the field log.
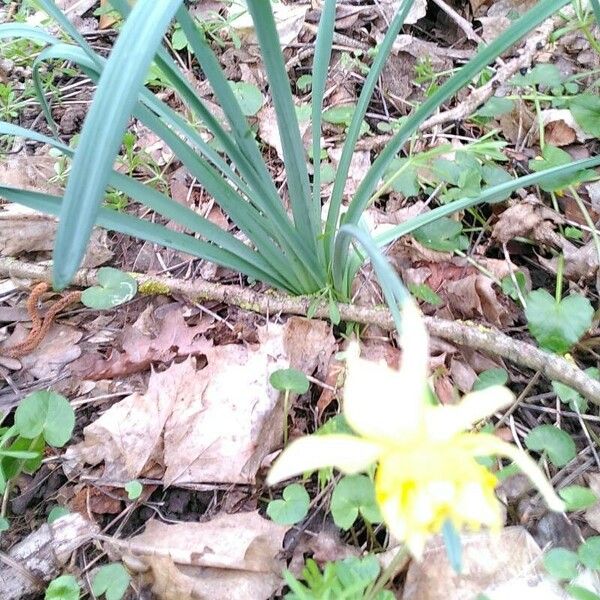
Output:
(289, 131)
(103, 130)
(353, 131)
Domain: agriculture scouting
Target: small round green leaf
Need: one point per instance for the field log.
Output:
(115, 287)
(112, 581)
(557, 326)
(57, 512)
(589, 553)
(354, 495)
(561, 563)
(134, 489)
(289, 380)
(45, 413)
(64, 587)
(489, 378)
(249, 97)
(577, 497)
(558, 444)
(292, 508)
(304, 82)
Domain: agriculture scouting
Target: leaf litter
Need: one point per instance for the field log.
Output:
(200, 413)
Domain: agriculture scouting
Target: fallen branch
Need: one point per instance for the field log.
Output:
(42, 555)
(554, 367)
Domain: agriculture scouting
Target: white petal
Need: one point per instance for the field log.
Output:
(445, 421)
(380, 402)
(490, 444)
(348, 453)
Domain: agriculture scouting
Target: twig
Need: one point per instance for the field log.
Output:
(460, 21)
(534, 44)
(474, 336)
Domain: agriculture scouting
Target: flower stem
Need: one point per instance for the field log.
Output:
(387, 575)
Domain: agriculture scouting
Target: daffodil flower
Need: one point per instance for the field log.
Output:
(427, 470)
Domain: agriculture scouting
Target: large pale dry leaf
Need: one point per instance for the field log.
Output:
(204, 425)
(26, 230)
(231, 556)
(505, 567)
(289, 19)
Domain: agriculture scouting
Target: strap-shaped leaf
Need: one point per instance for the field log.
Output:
(29, 32)
(287, 121)
(152, 232)
(353, 132)
(103, 130)
(323, 48)
(164, 206)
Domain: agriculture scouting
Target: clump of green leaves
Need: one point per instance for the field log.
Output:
(42, 417)
(349, 578)
(566, 565)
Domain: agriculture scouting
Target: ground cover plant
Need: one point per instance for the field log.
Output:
(475, 183)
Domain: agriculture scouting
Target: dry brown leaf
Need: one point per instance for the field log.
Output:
(147, 342)
(269, 129)
(231, 556)
(581, 262)
(505, 567)
(205, 425)
(561, 129)
(57, 349)
(527, 218)
(492, 27)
